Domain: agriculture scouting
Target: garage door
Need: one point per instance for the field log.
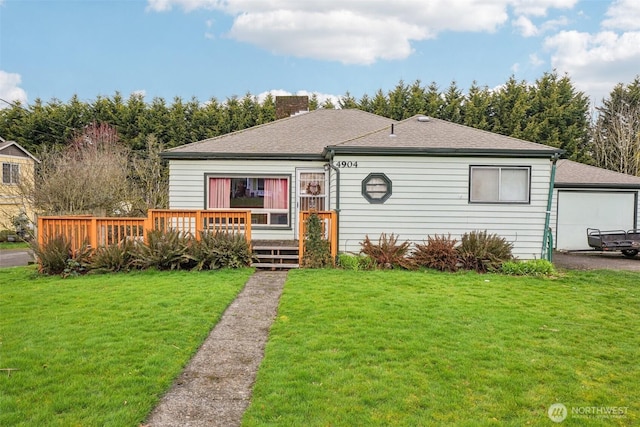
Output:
(579, 210)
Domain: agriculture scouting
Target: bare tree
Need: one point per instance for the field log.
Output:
(89, 176)
(616, 138)
(150, 177)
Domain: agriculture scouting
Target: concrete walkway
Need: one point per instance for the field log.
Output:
(215, 388)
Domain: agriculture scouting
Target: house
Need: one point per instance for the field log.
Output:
(590, 197)
(18, 166)
(417, 177)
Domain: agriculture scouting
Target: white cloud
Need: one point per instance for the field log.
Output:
(540, 7)
(535, 60)
(596, 62)
(139, 92)
(623, 15)
(10, 89)
(525, 27)
(354, 31)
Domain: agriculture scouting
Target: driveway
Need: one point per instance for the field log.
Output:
(15, 257)
(592, 260)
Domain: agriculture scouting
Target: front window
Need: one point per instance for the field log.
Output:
(10, 173)
(499, 184)
(266, 197)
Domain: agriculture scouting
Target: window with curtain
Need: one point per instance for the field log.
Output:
(499, 184)
(266, 197)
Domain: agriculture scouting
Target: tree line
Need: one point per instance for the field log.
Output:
(549, 111)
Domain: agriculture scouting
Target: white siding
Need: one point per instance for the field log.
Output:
(430, 196)
(187, 185)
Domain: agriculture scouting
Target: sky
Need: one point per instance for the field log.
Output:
(55, 49)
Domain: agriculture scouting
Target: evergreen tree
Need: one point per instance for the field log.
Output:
(477, 107)
(453, 101)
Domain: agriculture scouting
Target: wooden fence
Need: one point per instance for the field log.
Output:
(329, 230)
(104, 231)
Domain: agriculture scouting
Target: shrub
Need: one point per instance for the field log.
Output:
(163, 250)
(113, 258)
(4, 235)
(387, 253)
(438, 253)
(56, 256)
(532, 267)
(220, 250)
(483, 252)
(356, 262)
(317, 251)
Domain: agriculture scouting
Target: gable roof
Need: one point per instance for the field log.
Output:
(315, 135)
(301, 136)
(12, 148)
(425, 135)
(579, 175)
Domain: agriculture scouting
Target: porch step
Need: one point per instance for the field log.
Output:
(278, 255)
(274, 266)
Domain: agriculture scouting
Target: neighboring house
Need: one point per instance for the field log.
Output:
(414, 178)
(18, 167)
(591, 197)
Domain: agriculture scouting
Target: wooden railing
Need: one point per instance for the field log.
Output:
(104, 231)
(329, 230)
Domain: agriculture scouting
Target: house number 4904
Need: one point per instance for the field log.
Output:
(346, 164)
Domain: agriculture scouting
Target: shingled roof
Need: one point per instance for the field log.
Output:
(300, 136)
(315, 134)
(579, 175)
(421, 134)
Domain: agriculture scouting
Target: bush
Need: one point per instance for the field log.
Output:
(113, 258)
(438, 253)
(387, 253)
(356, 262)
(483, 252)
(163, 250)
(220, 250)
(532, 267)
(56, 256)
(4, 235)
(317, 251)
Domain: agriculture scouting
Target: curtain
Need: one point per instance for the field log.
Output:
(276, 193)
(219, 193)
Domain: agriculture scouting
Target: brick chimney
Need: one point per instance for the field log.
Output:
(287, 106)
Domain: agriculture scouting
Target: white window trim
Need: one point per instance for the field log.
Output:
(268, 212)
(14, 176)
(500, 168)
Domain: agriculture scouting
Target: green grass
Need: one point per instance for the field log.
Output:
(14, 245)
(100, 350)
(421, 349)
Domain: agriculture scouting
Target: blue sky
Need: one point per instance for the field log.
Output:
(221, 48)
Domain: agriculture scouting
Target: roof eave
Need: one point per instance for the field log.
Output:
(239, 156)
(607, 186)
(449, 152)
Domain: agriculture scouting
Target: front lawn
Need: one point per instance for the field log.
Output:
(421, 349)
(101, 350)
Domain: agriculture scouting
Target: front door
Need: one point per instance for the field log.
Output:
(311, 191)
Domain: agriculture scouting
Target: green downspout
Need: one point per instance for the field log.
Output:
(337, 170)
(547, 238)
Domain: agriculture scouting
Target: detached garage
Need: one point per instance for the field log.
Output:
(590, 197)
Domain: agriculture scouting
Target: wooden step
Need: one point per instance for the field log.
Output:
(274, 266)
(276, 256)
(275, 248)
